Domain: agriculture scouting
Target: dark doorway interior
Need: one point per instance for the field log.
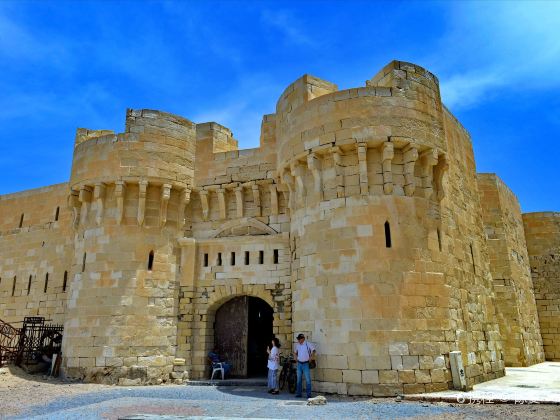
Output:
(260, 335)
(242, 331)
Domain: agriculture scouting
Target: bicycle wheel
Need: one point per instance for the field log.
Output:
(292, 382)
(282, 381)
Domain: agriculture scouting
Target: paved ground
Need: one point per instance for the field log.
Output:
(251, 401)
(534, 384)
(173, 402)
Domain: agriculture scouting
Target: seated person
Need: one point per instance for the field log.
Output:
(214, 357)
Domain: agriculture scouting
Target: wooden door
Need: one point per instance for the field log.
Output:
(231, 329)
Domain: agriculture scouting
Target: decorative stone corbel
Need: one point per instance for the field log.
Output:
(84, 197)
(387, 155)
(120, 190)
(165, 196)
(273, 199)
(313, 166)
(74, 205)
(142, 190)
(288, 179)
(239, 200)
(99, 197)
(297, 173)
(440, 176)
(203, 194)
(222, 202)
(257, 198)
(430, 159)
(410, 156)
(337, 159)
(362, 162)
(185, 197)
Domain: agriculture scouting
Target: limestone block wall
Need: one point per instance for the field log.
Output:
(542, 232)
(35, 254)
(129, 195)
(509, 264)
(466, 263)
(226, 267)
(382, 274)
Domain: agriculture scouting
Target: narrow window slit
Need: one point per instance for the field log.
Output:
(29, 285)
(261, 257)
(472, 257)
(46, 283)
(205, 260)
(150, 260)
(233, 258)
(219, 259)
(56, 214)
(246, 257)
(65, 281)
(275, 256)
(21, 220)
(387, 235)
(439, 239)
(84, 262)
(14, 285)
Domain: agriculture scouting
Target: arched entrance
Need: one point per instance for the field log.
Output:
(242, 331)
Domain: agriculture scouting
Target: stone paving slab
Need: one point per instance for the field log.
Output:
(537, 384)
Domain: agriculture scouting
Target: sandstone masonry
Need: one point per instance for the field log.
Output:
(359, 221)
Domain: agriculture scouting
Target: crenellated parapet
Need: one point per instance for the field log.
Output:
(386, 138)
(156, 152)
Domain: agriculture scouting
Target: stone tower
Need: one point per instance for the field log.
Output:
(387, 275)
(128, 195)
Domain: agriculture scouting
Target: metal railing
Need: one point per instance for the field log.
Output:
(28, 344)
(9, 342)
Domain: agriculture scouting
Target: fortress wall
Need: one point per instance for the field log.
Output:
(41, 246)
(129, 196)
(207, 287)
(155, 145)
(385, 316)
(219, 165)
(542, 232)
(466, 265)
(509, 264)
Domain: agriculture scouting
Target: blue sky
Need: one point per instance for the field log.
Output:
(70, 64)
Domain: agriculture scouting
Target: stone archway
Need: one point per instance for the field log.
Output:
(242, 330)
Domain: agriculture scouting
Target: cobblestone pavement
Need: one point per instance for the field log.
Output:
(171, 402)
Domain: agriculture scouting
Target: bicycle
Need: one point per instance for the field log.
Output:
(288, 374)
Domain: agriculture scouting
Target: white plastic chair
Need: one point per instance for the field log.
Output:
(217, 367)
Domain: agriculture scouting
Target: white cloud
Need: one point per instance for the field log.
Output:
(289, 26)
(242, 108)
(498, 45)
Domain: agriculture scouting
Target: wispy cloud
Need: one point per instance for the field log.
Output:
(289, 25)
(243, 107)
(498, 45)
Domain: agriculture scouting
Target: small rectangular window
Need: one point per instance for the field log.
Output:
(275, 256)
(46, 283)
(233, 258)
(261, 257)
(205, 260)
(246, 257)
(219, 259)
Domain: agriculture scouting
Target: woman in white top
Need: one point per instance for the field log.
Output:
(273, 366)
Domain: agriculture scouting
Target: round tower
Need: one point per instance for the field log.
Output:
(128, 194)
(371, 286)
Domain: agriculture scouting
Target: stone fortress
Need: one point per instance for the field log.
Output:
(359, 221)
